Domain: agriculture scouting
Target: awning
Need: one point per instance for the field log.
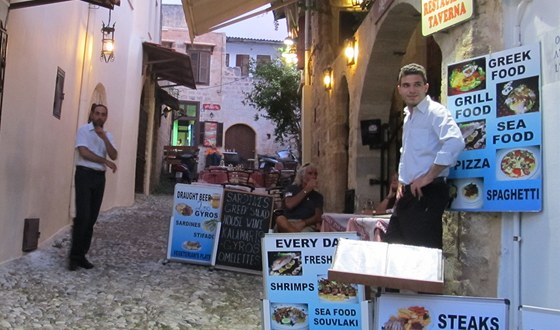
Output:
(165, 98)
(15, 4)
(170, 65)
(203, 16)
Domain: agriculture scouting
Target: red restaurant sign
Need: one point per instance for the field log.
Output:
(208, 106)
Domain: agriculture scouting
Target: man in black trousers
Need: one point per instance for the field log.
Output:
(94, 144)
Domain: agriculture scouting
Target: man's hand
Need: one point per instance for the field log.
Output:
(111, 165)
(310, 185)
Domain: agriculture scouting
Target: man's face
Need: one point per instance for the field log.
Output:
(99, 116)
(413, 89)
(310, 173)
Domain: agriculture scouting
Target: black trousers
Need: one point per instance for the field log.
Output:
(90, 186)
(418, 221)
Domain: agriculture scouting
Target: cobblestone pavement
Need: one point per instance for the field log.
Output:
(130, 287)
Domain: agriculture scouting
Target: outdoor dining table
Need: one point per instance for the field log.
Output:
(362, 224)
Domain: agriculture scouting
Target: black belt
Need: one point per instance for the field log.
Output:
(438, 180)
(87, 169)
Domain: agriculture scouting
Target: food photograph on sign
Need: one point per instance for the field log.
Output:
(183, 209)
(413, 317)
(474, 133)
(467, 76)
(466, 193)
(517, 97)
(520, 163)
(285, 263)
(335, 291)
(289, 316)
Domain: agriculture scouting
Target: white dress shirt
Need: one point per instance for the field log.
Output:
(430, 136)
(86, 137)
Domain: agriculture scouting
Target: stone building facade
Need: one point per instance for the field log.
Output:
(220, 99)
(486, 253)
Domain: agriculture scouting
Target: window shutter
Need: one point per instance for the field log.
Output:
(204, 70)
(201, 133)
(195, 62)
(219, 135)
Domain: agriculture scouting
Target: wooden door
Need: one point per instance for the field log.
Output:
(241, 138)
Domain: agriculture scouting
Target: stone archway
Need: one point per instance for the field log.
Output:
(395, 42)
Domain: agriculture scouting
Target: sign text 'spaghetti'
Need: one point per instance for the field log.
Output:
(440, 14)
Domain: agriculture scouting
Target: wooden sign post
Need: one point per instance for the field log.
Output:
(245, 218)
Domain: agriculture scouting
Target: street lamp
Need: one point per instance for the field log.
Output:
(108, 41)
(328, 78)
(351, 51)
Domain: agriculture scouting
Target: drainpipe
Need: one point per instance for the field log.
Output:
(516, 298)
(307, 95)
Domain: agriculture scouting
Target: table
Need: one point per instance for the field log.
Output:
(364, 225)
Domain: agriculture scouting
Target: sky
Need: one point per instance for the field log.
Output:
(258, 27)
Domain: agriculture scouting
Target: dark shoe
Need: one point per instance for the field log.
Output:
(72, 265)
(84, 263)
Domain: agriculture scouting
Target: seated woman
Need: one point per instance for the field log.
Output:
(386, 207)
(302, 204)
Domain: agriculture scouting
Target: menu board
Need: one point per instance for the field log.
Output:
(196, 214)
(296, 286)
(495, 99)
(538, 318)
(439, 312)
(245, 218)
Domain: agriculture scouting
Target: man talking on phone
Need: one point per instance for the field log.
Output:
(93, 144)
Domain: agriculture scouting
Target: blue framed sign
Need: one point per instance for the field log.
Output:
(495, 99)
(196, 217)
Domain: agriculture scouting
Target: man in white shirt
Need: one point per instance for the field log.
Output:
(432, 142)
(94, 144)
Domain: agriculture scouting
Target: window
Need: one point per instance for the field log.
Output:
(200, 60)
(263, 59)
(58, 93)
(167, 44)
(185, 124)
(242, 61)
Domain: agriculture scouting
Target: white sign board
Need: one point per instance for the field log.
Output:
(422, 311)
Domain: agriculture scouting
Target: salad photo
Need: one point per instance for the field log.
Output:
(466, 77)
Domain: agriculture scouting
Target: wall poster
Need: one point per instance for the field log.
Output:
(495, 99)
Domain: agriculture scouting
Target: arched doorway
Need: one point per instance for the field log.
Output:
(241, 138)
(398, 41)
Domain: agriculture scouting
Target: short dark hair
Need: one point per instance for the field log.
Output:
(413, 68)
(93, 106)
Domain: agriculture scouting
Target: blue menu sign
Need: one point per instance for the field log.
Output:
(298, 293)
(196, 217)
(495, 99)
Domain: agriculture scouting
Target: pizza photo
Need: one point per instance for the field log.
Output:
(518, 163)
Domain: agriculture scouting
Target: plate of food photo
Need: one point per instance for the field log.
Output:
(517, 163)
(468, 76)
(289, 316)
(285, 263)
(413, 317)
(183, 209)
(474, 133)
(192, 245)
(467, 193)
(334, 291)
(518, 97)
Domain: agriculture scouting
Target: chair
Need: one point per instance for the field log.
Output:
(239, 178)
(271, 180)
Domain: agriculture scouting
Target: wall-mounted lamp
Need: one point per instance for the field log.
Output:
(328, 78)
(351, 51)
(108, 41)
(357, 3)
